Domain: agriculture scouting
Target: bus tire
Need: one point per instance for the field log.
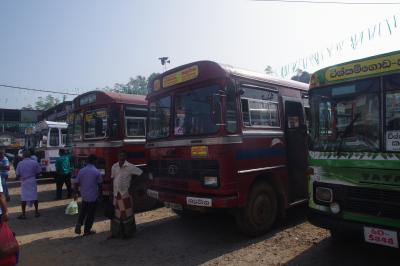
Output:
(260, 212)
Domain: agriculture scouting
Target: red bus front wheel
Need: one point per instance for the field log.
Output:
(260, 212)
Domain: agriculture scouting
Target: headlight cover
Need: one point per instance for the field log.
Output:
(324, 194)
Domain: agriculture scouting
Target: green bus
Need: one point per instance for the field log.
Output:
(354, 149)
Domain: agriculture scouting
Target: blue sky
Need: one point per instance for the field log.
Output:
(76, 46)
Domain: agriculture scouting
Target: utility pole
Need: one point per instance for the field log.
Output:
(164, 61)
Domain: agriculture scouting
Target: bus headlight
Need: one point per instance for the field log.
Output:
(324, 194)
(210, 181)
(335, 207)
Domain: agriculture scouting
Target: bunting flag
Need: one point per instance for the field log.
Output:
(382, 29)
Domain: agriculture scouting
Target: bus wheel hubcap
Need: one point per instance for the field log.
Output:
(261, 208)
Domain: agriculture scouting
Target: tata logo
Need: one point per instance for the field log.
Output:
(172, 169)
(378, 178)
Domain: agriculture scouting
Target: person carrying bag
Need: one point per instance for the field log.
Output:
(9, 248)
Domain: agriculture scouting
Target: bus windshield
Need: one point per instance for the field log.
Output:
(197, 111)
(159, 117)
(346, 117)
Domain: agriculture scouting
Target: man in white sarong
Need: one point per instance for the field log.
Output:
(123, 224)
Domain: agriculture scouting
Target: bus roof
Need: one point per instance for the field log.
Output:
(105, 97)
(373, 66)
(206, 70)
(49, 124)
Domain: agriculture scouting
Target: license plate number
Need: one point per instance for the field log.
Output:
(152, 193)
(199, 202)
(174, 206)
(381, 237)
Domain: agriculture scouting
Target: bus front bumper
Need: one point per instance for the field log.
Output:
(178, 200)
(331, 222)
(354, 229)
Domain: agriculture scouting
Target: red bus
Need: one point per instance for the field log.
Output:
(105, 123)
(224, 138)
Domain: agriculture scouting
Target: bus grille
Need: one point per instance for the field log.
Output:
(184, 169)
(376, 202)
(370, 201)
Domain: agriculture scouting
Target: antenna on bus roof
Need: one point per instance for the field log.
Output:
(164, 60)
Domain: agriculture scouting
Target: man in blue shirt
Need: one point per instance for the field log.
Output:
(4, 168)
(89, 179)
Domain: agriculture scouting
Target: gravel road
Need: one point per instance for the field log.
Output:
(166, 239)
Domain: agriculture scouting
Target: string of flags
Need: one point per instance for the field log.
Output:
(381, 29)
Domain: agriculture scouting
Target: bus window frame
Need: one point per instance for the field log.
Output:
(261, 88)
(84, 123)
(137, 118)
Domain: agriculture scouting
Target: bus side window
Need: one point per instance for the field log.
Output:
(392, 112)
(259, 107)
(231, 113)
(245, 112)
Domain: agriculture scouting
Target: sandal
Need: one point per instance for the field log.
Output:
(37, 215)
(91, 232)
(21, 217)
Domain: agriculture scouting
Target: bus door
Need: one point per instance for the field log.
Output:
(296, 148)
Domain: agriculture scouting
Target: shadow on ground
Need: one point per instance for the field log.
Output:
(167, 241)
(329, 252)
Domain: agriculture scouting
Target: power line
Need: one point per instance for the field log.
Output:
(39, 90)
(330, 2)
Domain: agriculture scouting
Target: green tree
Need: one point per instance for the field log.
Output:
(28, 107)
(44, 103)
(302, 76)
(137, 85)
(268, 70)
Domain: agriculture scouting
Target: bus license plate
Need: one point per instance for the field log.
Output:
(174, 206)
(152, 194)
(199, 202)
(381, 237)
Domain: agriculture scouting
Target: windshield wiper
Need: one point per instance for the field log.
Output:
(346, 132)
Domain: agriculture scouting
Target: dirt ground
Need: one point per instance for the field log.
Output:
(165, 239)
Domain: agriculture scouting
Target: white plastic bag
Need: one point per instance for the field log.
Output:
(72, 208)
